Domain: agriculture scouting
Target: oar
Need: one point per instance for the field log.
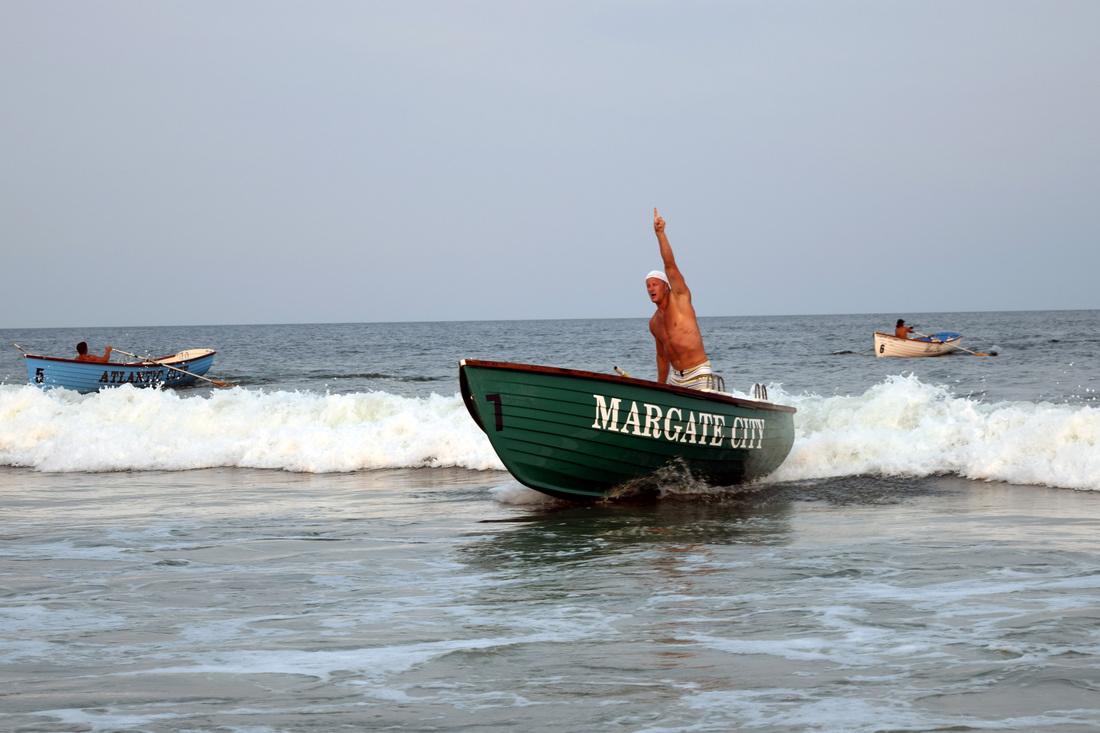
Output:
(960, 348)
(147, 360)
(19, 347)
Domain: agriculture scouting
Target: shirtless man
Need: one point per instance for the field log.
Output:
(83, 355)
(681, 359)
(902, 331)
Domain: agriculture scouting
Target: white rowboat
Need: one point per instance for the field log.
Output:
(937, 344)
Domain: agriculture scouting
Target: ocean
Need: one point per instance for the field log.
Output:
(333, 544)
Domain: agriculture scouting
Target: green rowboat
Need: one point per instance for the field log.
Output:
(579, 435)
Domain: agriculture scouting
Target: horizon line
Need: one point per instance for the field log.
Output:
(528, 320)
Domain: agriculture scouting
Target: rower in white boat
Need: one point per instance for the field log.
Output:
(900, 343)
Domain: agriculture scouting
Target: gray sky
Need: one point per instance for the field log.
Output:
(169, 163)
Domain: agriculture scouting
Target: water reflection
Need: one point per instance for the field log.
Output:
(561, 534)
(578, 535)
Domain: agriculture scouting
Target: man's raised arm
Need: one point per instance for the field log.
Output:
(676, 282)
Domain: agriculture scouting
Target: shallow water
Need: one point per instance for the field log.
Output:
(235, 599)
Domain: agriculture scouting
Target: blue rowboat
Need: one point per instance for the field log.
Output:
(91, 376)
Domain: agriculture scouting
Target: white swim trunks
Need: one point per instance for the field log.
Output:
(700, 376)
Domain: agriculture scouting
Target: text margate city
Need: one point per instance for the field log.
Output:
(653, 421)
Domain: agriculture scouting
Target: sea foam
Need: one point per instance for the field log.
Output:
(898, 427)
(127, 429)
(904, 427)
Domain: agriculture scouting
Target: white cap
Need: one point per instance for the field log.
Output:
(660, 276)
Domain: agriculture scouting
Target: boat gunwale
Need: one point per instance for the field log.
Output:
(143, 363)
(934, 342)
(616, 379)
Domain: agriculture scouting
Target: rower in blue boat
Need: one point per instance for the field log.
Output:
(93, 372)
(83, 355)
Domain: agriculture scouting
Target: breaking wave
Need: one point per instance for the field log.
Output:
(904, 427)
(129, 429)
(899, 427)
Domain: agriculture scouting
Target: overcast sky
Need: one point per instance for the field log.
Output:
(167, 163)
